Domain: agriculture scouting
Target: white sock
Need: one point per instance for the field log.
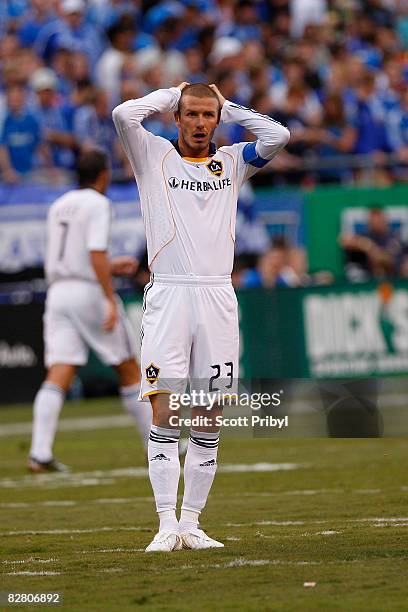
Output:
(188, 520)
(140, 411)
(199, 470)
(164, 473)
(47, 407)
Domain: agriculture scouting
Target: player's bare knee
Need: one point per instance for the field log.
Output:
(206, 419)
(163, 414)
(128, 372)
(61, 375)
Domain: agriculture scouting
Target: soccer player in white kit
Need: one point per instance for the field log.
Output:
(188, 192)
(82, 310)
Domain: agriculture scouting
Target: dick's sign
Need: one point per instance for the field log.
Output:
(357, 332)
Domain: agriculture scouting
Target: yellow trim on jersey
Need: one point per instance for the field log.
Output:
(196, 159)
(157, 392)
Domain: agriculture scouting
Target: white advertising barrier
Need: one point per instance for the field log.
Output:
(22, 234)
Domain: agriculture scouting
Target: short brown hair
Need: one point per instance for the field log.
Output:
(198, 90)
(90, 165)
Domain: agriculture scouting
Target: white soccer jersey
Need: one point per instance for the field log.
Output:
(78, 222)
(189, 206)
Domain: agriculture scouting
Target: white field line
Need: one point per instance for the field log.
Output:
(29, 573)
(29, 560)
(242, 562)
(111, 550)
(390, 525)
(231, 468)
(71, 531)
(63, 503)
(373, 522)
(267, 523)
(383, 519)
(132, 500)
(318, 533)
(122, 500)
(99, 477)
(78, 424)
(259, 534)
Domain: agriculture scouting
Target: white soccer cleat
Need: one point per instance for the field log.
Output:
(196, 539)
(165, 541)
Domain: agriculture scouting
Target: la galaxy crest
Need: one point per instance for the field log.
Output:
(215, 167)
(152, 373)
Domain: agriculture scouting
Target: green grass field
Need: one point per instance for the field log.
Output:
(338, 518)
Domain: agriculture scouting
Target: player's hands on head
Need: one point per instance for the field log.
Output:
(111, 318)
(219, 94)
(183, 85)
(124, 266)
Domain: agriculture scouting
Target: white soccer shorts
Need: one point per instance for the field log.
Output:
(74, 314)
(190, 333)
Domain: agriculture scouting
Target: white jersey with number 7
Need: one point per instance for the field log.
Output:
(78, 222)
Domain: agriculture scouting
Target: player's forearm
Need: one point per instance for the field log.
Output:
(133, 112)
(271, 135)
(62, 139)
(103, 272)
(5, 163)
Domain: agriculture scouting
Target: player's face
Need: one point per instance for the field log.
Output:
(197, 121)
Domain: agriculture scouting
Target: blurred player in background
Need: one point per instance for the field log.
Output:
(188, 193)
(82, 310)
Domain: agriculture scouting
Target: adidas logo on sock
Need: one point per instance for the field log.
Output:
(208, 463)
(160, 457)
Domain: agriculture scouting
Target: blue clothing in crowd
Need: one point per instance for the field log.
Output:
(371, 132)
(57, 34)
(21, 136)
(30, 28)
(52, 118)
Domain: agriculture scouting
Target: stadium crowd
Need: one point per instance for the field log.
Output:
(334, 71)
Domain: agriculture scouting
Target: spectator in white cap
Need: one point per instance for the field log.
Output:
(226, 53)
(54, 128)
(70, 7)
